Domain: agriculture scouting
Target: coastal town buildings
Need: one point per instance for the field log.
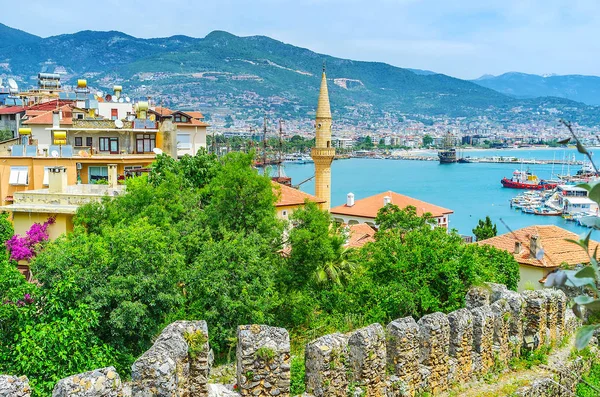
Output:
(365, 210)
(541, 250)
(290, 199)
(191, 128)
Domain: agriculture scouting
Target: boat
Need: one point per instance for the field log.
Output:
(297, 158)
(547, 212)
(526, 180)
(447, 154)
(589, 221)
(467, 160)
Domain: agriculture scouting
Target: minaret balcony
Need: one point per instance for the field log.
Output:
(322, 152)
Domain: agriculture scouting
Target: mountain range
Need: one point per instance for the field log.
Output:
(579, 88)
(247, 76)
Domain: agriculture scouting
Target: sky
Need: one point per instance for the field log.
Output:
(461, 38)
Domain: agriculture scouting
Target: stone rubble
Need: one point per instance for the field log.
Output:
(103, 382)
(403, 352)
(367, 359)
(326, 362)
(14, 386)
(434, 334)
(461, 343)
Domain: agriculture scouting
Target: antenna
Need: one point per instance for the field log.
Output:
(54, 153)
(108, 98)
(127, 99)
(119, 123)
(157, 151)
(323, 66)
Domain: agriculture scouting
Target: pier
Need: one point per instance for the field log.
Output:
(501, 160)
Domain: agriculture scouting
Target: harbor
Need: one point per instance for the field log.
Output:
(473, 191)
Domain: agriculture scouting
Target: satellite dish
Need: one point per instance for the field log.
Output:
(0, 82)
(108, 98)
(119, 123)
(157, 151)
(100, 94)
(54, 153)
(13, 84)
(121, 100)
(127, 99)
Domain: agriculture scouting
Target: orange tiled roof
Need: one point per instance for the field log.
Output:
(359, 235)
(290, 196)
(368, 207)
(11, 109)
(196, 115)
(552, 240)
(193, 123)
(163, 111)
(46, 117)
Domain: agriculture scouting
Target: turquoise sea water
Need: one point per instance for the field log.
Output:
(472, 191)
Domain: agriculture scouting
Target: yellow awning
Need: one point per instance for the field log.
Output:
(24, 131)
(60, 141)
(60, 135)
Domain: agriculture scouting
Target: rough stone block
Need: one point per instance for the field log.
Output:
(403, 350)
(502, 319)
(534, 327)
(483, 339)
(367, 359)
(263, 361)
(434, 334)
(14, 386)
(461, 344)
(103, 382)
(172, 367)
(325, 361)
(477, 296)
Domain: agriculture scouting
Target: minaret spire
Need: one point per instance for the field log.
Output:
(323, 153)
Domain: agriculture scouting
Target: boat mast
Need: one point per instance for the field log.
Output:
(280, 161)
(265, 141)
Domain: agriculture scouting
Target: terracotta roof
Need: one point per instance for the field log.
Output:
(11, 109)
(290, 196)
(193, 123)
(50, 105)
(552, 240)
(46, 117)
(368, 207)
(196, 115)
(163, 111)
(34, 112)
(359, 235)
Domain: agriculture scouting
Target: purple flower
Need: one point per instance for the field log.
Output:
(24, 247)
(28, 299)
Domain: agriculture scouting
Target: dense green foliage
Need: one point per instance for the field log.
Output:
(199, 239)
(485, 229)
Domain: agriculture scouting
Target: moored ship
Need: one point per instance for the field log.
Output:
(447, 154)
(526, 180)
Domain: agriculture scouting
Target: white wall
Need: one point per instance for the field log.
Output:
(104, 109)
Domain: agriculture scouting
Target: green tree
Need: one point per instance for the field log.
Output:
(232, 282)
(393, 219)
(485, 229)
(240, 199)
(427, 140)
(318, 252)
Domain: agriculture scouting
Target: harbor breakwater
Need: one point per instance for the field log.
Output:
(404, 358)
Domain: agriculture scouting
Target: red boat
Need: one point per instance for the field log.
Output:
(526, 180)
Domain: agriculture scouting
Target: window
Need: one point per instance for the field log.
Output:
(284, 213)
(184, 119)
(89, 141)
(97, 173)
(78, 141)
(19, 176)
(79, 116)
(145, 143)
(103, 144)
(178, 118)
(46, 176)
(130, 170)
(114, 114)
(12, 117)
(183, 141)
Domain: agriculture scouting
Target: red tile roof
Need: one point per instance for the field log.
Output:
(551, 238)
(50, 105)
(289, 196)
(368, 207)
(163, 111)
(11, 109)
(359, 235)
(46, 118)
(196, 115)
(193, 123)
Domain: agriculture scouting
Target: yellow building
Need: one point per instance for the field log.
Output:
(323, 153)
(191, 129)
(59, 200)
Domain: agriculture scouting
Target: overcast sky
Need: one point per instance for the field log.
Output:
(462, 38)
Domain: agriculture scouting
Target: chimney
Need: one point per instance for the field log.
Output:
(517, 247)
(387, 200)
(534, 246)
(57, 179)
(350, 199)
(55, 119)
(112, 175)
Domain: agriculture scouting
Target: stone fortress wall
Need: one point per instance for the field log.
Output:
(405, 358)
